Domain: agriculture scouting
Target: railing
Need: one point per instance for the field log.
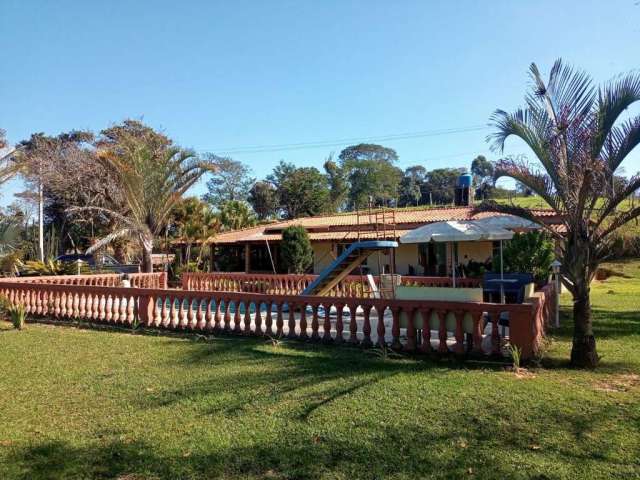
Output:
(424, 326)
(139, 280)
(273, 284)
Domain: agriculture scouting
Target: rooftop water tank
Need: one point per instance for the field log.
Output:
(464, 180)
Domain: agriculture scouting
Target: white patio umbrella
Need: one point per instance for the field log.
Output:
(453, 232)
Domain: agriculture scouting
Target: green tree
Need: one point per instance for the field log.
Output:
(295, 248)
(152, 175)
(301, 191)
(235, 214)
(482, 170)
(231, 181)
(263, 198)
(193, 221)
(338, 185)
(574, 130)
(371, 174)
(440, 184)
(410, 189)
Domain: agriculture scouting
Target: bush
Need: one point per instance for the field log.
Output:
(528, 252)
(17, 314)
(35, 268)
(297, 254)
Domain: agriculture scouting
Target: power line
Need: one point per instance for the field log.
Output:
(344, 141)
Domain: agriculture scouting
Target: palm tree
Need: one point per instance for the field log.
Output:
(152, 179)
(194, 222)
(235, 215)
(575, 131)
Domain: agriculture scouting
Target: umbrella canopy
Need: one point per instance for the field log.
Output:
(454, 231)
(507, 222)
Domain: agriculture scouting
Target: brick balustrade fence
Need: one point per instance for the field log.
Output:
(351, 286)
(457, 327)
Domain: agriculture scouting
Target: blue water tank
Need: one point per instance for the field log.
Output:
(464, 180)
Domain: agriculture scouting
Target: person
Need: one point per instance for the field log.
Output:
(125, 281)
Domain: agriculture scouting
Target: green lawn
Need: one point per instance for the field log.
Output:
(78, 403)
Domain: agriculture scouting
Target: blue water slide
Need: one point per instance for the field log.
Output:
(356, 251)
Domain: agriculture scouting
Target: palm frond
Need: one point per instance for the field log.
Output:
(539, 183)
(617, 221)
(613, 99)
(104, 241)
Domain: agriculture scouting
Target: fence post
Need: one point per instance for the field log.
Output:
(146, 307)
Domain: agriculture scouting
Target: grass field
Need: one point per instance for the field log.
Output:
(78, 403)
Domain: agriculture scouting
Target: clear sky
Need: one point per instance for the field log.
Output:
(224, 76)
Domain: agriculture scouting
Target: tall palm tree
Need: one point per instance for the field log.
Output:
(576, 132)
(152, 180)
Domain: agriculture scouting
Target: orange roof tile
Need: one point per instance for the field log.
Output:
(336, 227)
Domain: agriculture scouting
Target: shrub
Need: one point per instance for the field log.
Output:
(35, 268)
(16, 312)
(528, 252)
(297, 254)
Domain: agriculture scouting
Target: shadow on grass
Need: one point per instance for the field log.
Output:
(311, 376)
(407, 451)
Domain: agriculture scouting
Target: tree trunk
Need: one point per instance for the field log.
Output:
(41, 221)
(147, 250)
(583, 352)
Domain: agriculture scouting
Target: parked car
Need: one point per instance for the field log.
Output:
(104, 262)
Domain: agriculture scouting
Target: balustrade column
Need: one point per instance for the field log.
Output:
(268, 323)
(292, 321)
(236, 318)
(395, 328)
(279, 321)
(495, 334)
(442, 331)
(459, 334)
(380, 328)
(247, 317)
(411, 330)
(478, 327)
(315, 324)
(425, 345)
(339, 323)
(303, 322)
(353, 324)
(366, 326)
(326, 325)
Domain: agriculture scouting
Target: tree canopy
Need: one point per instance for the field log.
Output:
(231, 181)
(371, 174)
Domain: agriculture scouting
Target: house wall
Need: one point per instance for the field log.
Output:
(406, 255)
(476, 251)
(323, 255)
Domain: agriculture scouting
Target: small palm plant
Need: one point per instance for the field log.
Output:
(17, 312)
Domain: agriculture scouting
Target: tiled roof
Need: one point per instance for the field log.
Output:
(336, 227)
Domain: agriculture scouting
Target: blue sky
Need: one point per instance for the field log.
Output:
(228, 75)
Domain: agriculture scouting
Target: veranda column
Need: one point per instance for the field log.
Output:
(247, 258)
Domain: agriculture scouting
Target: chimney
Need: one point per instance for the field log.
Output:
(463, 191)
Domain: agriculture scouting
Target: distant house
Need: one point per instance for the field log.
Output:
(256, 249)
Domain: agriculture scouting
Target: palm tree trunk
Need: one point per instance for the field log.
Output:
(583, 352)
(147, 250)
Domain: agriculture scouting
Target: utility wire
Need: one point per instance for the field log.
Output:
(344, 141)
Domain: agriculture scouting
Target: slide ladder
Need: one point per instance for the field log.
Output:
(342, 266)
